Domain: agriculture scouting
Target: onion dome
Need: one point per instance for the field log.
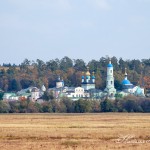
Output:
(87, 77)
(82, 75)
(93, 77)
(125, 82)
(87, 73)
(109, 65)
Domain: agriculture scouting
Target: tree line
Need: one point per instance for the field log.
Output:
(66, 105)
(36, 73)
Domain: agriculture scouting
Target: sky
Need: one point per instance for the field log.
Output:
(79, 29)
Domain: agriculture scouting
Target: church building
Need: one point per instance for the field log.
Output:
(88, 81)
(110, 89)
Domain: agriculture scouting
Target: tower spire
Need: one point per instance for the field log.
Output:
(110, 89)
(93, 73)
(126, 73)
(109, 60)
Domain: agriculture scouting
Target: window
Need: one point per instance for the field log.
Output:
(111, 82)
(110, 71)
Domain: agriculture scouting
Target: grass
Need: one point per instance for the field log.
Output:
(74, 131)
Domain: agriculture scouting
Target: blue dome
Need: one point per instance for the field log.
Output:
(109, 65)
(87, 77)
(82, 77)
(124, 82)
(93, 77)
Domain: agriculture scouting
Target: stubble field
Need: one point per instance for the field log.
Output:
(104, 131)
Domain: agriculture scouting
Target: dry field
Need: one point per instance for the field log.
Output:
(104, 131)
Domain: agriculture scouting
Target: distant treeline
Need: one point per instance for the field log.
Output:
(36, 73)
(65, 105)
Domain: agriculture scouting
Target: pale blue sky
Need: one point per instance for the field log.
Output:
(86, 29)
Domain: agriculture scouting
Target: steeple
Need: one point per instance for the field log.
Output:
(109, 60)
(126, 81)
(125, 74)
(109, 65)
(110, 89)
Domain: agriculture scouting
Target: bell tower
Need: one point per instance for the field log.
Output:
(110, 89)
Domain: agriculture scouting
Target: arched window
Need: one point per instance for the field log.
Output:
(111, 82)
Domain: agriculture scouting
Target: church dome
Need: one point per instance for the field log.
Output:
(87, 73)
(109, 65)
(93, 77)
(125, 82)
(87, 77)
(82, 77)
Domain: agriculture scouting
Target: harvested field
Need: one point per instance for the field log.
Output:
(103, 131)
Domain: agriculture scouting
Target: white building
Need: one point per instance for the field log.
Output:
(110, 89)
(10, 97)
(88, 81)
(59, 83)
(35, 94)
(77, 93)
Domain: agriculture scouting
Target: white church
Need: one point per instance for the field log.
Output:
(88, 90)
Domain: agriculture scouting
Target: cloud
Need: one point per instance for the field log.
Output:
(101, 4)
